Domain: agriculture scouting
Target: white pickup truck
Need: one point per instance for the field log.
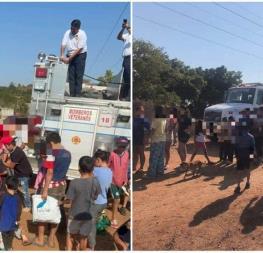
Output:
(237, 99)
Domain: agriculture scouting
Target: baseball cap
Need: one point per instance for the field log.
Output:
(6, 140)
(122, 141)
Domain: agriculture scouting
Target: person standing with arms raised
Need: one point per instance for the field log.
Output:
(126, 38)
(75, 42)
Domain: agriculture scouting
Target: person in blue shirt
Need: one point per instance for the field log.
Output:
(140, 126)
(104, 176)
(10, 211)
(245, 148)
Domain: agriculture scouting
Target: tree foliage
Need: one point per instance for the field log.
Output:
(16, 97)
(108, 76)
(168, 81)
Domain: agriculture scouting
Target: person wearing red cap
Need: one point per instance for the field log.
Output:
(18, 162)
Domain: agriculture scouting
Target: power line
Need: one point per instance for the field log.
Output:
(109, 36)
(247, 10)
(237, 14)
(93, 78)
(224, 19)
(200, 38)
(210, 25)
(116, 63)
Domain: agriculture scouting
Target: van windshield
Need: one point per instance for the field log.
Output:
(241, 95)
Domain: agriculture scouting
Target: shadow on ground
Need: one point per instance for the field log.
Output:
(252, 215)
(212, 210)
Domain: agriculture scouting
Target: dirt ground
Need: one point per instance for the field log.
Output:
(104, 241)
(197, 213)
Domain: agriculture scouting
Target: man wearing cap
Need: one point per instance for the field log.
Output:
(18, 162)
(75, 41)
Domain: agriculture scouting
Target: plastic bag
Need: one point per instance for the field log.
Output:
(102, 223)
(46, 211)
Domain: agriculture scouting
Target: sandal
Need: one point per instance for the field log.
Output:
(26, 243)
(122, 211)
(38, 244)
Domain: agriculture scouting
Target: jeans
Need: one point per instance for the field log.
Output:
(8, 237)
(24, 182)
(229, 151)
(157, 153)
(258, 144)
(95, 210)
(125, 88)
(76, 70)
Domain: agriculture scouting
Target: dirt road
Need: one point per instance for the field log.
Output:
(197, 213)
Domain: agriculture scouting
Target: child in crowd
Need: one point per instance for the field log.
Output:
(221, 135)
(118, 162)
(184, 133)
(245, 148)
(140, 129)
(104, 176)
(82, 192)
(10, 211)
(158, 140)
(170, 125)
(200, 141)
(228, 142)
(122, 237)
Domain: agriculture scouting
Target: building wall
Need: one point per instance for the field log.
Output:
(4, 112)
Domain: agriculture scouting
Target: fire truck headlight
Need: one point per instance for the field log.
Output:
(41, 56)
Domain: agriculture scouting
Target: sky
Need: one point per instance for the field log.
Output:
(29, 28)
(247, 22)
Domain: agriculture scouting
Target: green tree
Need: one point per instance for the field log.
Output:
(108, 76)
(151, 70)
(169, 81)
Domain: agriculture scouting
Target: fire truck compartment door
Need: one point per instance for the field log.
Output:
(78, 131)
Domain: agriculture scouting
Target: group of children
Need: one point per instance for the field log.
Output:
(237, 140)
(87, 196)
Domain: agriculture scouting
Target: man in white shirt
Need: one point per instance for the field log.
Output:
(127, 39)
(75, 42)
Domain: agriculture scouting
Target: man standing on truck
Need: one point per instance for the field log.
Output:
(126, 38)
(17, 161)
(75, 41)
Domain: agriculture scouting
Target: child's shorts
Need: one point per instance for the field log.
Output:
(116, 191)
(200, 145)
(79, 227)
(243, 163)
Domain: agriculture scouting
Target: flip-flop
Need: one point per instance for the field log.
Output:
(26, 243)
(38, 244)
